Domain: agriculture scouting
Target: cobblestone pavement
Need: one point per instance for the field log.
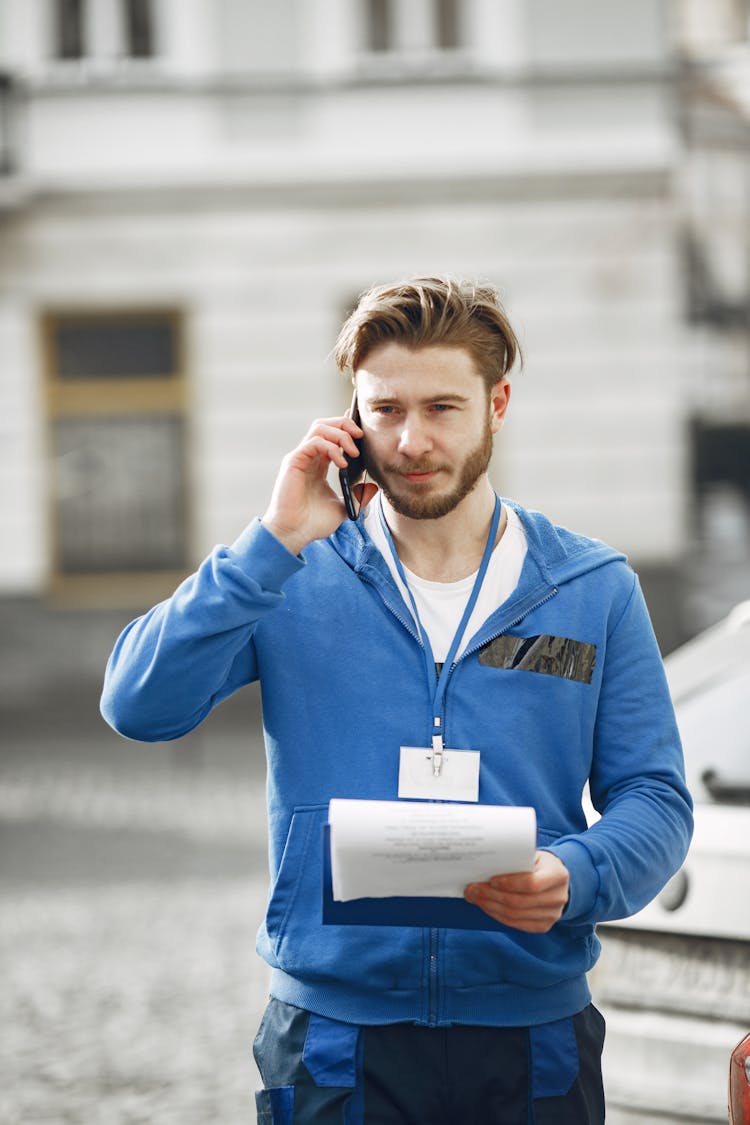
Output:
(123, 1005)
(132, 882)
(128, 911)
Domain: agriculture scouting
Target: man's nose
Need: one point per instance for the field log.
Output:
(414, 439)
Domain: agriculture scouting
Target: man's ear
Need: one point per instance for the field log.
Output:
(499, 399)
(365, 491)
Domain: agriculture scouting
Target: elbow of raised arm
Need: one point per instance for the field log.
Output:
(123, 714)
(132, 711)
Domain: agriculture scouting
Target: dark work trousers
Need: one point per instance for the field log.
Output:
(323, 1072)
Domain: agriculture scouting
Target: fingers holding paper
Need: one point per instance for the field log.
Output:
(529, 900)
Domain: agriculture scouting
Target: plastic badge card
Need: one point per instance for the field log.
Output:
(416, 849)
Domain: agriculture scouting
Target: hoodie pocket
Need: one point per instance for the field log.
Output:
(520, 958)
(371, 957)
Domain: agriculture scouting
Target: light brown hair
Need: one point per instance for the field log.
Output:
(427, 312)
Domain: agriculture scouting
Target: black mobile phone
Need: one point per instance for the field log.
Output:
(353, 471)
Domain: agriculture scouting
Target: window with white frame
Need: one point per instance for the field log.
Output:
(411, 27)
(138, 28)
(116, 400)
(69, 38)
(103, 29)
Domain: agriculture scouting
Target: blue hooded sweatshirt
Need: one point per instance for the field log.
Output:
(562, 685)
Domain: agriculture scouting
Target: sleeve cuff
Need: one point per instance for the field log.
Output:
(260, 553)
(584, 878)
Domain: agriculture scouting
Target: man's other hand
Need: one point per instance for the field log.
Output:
(528, 900)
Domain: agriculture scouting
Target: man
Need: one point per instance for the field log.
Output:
(444, 619)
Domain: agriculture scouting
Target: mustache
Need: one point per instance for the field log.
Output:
(405, 467)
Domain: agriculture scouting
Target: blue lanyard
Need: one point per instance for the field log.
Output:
(439, 683)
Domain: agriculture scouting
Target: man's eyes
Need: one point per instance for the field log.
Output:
(435, 407)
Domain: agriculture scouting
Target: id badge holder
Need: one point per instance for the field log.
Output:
(438, 773)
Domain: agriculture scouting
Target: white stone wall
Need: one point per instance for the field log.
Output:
(23, 489)
(261, 215)
(594, 437)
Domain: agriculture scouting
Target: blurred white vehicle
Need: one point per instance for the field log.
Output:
(674, 981)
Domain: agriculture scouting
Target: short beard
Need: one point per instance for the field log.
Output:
(433, 507)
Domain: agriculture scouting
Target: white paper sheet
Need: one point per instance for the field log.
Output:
(384, 848)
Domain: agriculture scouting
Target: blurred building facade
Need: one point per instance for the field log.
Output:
(714, 181)
(193, 192)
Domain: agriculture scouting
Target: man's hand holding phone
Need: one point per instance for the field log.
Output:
(303, 505)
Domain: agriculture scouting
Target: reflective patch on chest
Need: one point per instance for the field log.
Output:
(548, 655)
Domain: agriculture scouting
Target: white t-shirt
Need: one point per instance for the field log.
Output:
(441, 604)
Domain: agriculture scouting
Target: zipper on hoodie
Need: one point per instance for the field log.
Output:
(407, 624)
(433, 979)
(433, 973)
